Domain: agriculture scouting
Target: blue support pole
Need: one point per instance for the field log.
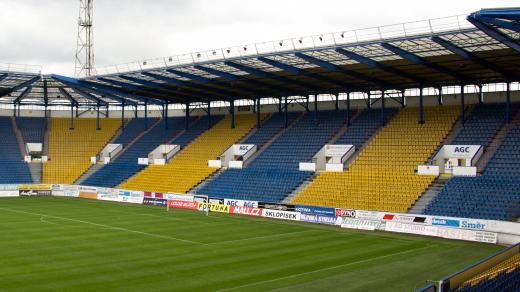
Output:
(369, 102)
(135, 112)
(166, 116)
(480, 94)
(337, 101)
(348, 108)
(307, 104)
(508, 102)
(258, 113)
(71, 117)
(383, 107)
(123, 116)
(440, 97)
(232, 112)
(145, 115)
(316, 109)
(286, 114)
(209, 114)
(280, 105)
(462, 117)
(421, 106)
(187, 117)
(97, 117)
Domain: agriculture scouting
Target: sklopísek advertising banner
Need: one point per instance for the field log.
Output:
(277, 214)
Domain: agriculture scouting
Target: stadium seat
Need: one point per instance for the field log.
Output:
(383, 175)
(70, 150)
(190, 167)
(13, 169)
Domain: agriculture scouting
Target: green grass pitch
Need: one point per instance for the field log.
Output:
(68, 244)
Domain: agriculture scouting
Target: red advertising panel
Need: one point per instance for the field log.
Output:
(245, 211)
(182, 204)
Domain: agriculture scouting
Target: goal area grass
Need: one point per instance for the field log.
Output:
(51, 243)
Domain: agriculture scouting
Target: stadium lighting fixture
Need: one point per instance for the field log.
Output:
(321, 37)
(198, 55)
(228, 51)
(214, 53)
(245, 48)
(342, 35)
(280, 43)
(300, 41)
(170, 59)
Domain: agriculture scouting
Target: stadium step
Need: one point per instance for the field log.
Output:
(95, 167)
(344, 128)
(34, 168)
(428, 195)
(45, 148)
(19, 137)
(489, 152)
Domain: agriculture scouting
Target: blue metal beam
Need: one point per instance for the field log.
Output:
(3, 76)
(173, 81)
(90, 96)
(118, 83)
(142, 81)
(279, 65)
(419, 60)
(375, 64)
(73, 101)
(247, 69)
(500, 23)
(318, 62)
(497, 35)
(189, 76)
(26, 83)
(24, 94)
(218, 73)
(506, 13)
(470, 56)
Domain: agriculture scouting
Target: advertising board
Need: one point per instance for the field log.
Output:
(315, 210)
(239, 210)
(318, 218)
(278, 214)
(241, 203)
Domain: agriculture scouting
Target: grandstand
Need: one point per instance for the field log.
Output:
(398, 94)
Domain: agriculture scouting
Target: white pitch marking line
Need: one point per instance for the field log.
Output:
(260, 237)
(45, 221)
(325, 269)
(105, 226)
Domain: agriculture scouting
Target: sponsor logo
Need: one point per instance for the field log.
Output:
(472, 225)
(315, 210)
(402, 218)
(445, 222)
(245, 211)
(317, 218)
(155, 202)
(287, 215)
(461, 149)
(217, 201)
(278, 207)
(345, 213)
(219, 208)
(241, 203)
(36, 187)
(183, 204)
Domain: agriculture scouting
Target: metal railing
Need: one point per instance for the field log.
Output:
(20, 68)
(407, 29)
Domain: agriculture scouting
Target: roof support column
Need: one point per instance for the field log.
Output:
(307, 104)
(97, 117)
(107, 113)
(135, 111)
(280, 105)
(421, 106)
(209, 114)
(508, 102)
(383, 106)
(165, 108)
(71, 117)
(187, 116)
(232, 112)
(369, 102)
(480, 94)
(14, 110)
(77, 111)
(440, 97)
(337, 101)
(348, 109)
(403, 98)
(123, 115)
(316, 108)
(258, 113)
(20, 109)
(286, 113)
(146, 115)
(45, 111)
(462, 117)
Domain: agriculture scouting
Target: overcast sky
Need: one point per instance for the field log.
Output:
(44, 32)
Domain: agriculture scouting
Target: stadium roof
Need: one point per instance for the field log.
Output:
(481, 48)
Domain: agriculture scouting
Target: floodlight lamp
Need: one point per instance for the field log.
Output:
(170, 59)
(144, 62)
(280, 43)
(198, 55)
(228, 51)
(245, 48)
(342, 35)
(300, 41)
(214, 53)
(321, 38)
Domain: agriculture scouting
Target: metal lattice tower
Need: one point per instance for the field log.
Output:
(84, 64)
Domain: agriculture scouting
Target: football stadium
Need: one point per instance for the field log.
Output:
(378, 159)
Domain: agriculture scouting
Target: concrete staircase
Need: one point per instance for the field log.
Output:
(428, 195)
(492, 148)
(34, 168)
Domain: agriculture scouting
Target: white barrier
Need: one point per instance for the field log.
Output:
(464, 171)
(215, 163)
(428, 170)
(307, 166)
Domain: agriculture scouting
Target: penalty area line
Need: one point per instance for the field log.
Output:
(324, 269)
(102, 225)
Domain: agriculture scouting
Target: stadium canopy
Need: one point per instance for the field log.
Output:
(481, 48)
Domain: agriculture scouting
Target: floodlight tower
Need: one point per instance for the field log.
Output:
(84, 65)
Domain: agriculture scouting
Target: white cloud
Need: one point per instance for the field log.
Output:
(44, 31)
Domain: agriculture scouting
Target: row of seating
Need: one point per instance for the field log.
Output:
(274, 173)
(70, 149)
(190, 167)
(383, 175)
(12, 167)
(33, 129)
